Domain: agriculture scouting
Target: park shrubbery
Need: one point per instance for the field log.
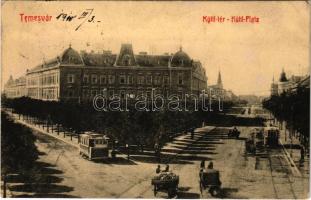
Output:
(134, 127)
(18, 151)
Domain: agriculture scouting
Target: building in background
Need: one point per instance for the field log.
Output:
(15, 88)
(217, 90)
(287, 85)
(81, 76)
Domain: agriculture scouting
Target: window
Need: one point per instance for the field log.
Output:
(180, 79)
(111, 93)
(85, 93)
(94, 93)
(122, 79)
(102, 79)
(157, 80)
(70, 78)
(86, 78)
(130, 79)
(148, 93)
(148, 80)
(94, 79)
(140, 80)
(111, 79)
(122, 94)
(166, 80)
(70, 93)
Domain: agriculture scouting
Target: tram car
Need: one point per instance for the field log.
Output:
(259, 137)
(94, 146)
(272, 135)
(250, 143)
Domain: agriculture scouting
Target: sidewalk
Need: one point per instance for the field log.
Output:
(61, 136)
(291, 148)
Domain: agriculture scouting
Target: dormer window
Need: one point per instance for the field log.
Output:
(126, 60)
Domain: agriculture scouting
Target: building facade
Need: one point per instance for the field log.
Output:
(217, 90)
(81, 76)
(286, 84)
(15, 88)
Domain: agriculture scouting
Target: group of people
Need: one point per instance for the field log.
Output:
(167, 169)
(210, 165)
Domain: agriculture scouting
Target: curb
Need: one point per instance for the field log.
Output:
(294, 168)
(46, 133)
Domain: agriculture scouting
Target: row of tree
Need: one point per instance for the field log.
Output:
(18, 150)
(132, 126)
(293, 108)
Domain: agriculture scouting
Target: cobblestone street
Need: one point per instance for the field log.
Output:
(268, 174)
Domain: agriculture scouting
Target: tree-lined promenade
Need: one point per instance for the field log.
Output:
(294, 109)
(131, 127)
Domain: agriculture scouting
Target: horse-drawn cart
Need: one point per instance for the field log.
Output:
(209, 179)
(166, 182)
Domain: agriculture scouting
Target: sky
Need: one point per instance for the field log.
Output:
(248, 55)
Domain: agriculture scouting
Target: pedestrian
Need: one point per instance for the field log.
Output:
(167, 168)
(128, 151)
(192, 133)
(302, 153)
(158, 170)
(202, 164)
(210, 165)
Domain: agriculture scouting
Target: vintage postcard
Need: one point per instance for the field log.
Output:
(155, 99)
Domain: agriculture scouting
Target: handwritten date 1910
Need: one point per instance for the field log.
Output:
(86, 15)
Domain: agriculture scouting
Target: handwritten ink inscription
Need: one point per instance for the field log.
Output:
(85, 16)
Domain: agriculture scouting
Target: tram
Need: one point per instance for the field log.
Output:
(94, 145)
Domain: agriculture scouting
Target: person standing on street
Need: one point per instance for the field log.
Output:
(202, 166)
(158, 170)
(302, 153)
(128, 151)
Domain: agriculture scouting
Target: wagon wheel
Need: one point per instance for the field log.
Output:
(171, 192)
(201, 188)
(214, 191)
(155, 190)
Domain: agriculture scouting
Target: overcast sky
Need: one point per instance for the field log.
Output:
(248, 55)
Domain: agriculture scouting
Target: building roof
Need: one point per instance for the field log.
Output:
(126, 57)
(305, 82)
(99, 59)
(180, 58)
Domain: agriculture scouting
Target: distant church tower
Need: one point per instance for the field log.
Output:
(219, 81)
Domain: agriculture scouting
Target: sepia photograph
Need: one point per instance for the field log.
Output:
(155, 99)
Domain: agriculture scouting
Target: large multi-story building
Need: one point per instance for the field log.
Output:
(81, 76)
